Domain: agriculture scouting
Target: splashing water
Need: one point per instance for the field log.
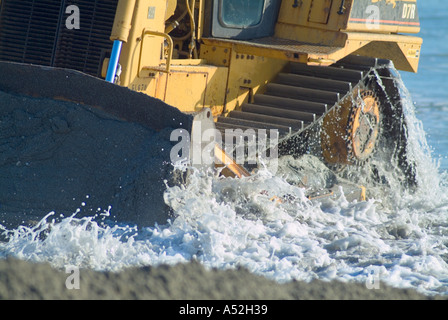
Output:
(269, 226)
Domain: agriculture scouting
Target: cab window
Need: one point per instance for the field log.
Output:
(241, 13)
(240, 19)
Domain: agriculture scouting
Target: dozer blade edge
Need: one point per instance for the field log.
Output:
(74, 86)
(72, 142)
(108, 99)
(111, 100)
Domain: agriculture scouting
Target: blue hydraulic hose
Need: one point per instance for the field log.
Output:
(113, 62)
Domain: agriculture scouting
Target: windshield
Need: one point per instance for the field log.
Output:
(241, 13)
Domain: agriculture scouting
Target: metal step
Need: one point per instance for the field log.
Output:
(229, 131)
(243, 123)
(361, 63)
(223, 126)
(296, 99)
(313, 95)
(278, 112)
(334, 73)
(291, 104)
(303, 81)
(291, 123)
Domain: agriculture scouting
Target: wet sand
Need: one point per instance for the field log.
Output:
(20, 280)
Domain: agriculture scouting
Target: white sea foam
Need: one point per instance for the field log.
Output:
(226, 223)
(269, 226)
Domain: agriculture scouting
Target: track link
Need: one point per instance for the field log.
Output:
(304, 101)
(299, 97)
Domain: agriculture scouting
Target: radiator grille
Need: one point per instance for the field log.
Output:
(34, 31)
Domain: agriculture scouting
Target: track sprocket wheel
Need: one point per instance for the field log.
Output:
(363, 126)
(350, 130)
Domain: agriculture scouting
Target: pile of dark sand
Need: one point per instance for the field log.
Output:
(61, 156)
(23, 280)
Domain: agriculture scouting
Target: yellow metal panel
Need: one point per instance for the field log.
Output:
(403, 50)
(384, 16)
(274, 48)
(170, 8)
(147, 15)
(320, 14)
(289, 13)
(191, 88)
(312, 21)
(216, 52)
(310, 35)
(145, 85)
(320, 11)
(152, 45)
(216, 89)
(248, 75)
(322, 22)
(405, 56)
(166, 50)
(344, 43)
(363, 26)
(189, 62)
(186, 90)
(123, 20)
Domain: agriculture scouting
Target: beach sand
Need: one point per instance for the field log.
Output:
(21, 280)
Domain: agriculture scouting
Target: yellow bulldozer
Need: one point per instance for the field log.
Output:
(316, 72)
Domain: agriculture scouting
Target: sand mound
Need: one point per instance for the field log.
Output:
(61, 156)
(23, 280)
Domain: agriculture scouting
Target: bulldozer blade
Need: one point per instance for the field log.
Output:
(70, 142)
(109, 99)
(73, 86)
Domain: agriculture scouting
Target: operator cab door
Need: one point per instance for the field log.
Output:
(242, 19)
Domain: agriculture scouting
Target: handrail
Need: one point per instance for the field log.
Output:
(170, 47)
(113, 61)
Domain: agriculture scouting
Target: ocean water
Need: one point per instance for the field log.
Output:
(429, 87)
(397, 237)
